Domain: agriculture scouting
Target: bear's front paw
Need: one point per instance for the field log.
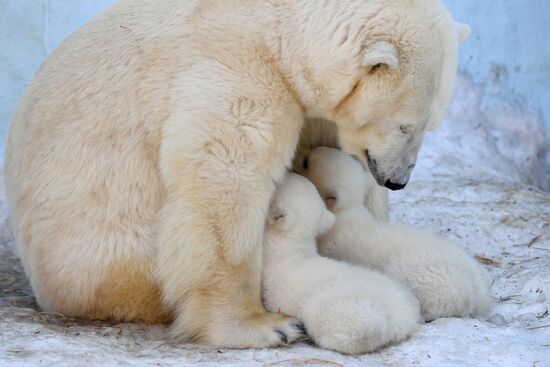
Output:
(257, 330)
(450, 285)
(266, 330)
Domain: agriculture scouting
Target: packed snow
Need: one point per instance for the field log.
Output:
(461, 188)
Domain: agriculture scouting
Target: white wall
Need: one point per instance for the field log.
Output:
(29, 31)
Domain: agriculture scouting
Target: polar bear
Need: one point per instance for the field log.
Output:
(319, 132)
(345, 307)
(142, 157)
(446, 280)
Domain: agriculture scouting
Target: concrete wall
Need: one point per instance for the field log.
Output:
(505, 66)
(509, 50)
(506, 62)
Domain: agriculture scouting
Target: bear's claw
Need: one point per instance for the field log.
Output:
(283, 336)
(301, 328)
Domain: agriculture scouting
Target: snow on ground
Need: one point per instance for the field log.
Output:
(457, 190)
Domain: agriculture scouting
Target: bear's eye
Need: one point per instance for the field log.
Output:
(305, 164)
(406, 129)
(375, 68)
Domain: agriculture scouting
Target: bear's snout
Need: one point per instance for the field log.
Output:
(394, 186)
(398, 177)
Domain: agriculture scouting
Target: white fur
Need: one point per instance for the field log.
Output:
(344, 307)
(318, 132)
(446, 280)
(145, 152)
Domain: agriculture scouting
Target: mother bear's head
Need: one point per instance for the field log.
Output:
(382, 70)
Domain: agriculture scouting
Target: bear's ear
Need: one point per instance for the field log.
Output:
(380, 53)
(334, 199)
(280, 218)
(462, 32)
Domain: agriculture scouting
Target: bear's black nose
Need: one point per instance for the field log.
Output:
(393, 186)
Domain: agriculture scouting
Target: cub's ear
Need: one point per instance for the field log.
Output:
(335, 199)
(280, 218)
(462, 32)
(380, 53)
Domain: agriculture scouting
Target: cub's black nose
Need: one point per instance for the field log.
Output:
(393, 186)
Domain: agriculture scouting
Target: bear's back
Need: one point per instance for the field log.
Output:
(81, 160)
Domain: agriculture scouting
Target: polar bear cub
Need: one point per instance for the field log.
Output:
(344, 307)
(447, 281)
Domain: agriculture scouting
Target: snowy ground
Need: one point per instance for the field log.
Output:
(458, 190)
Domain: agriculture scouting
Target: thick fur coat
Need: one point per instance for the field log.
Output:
(447, 281)
(142, 157)
(344, 307)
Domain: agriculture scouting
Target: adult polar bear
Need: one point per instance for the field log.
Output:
(143, 155)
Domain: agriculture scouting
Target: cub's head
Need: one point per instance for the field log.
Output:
(297, 211)
(338, 177)
(384, 74)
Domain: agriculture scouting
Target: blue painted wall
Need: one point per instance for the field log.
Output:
(509, 50)
(505, 66)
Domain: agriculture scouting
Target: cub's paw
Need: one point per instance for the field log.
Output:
(481, 282)
(358, 324)
(349, 326)
(450, 285)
